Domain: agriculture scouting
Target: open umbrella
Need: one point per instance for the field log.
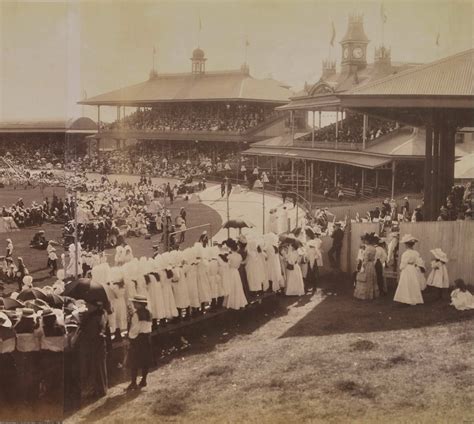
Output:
(31, 294)
(290, 239)
(238, 223)
(10, 304)
(91, 292)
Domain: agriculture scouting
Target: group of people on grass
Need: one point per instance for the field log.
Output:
(370, 282)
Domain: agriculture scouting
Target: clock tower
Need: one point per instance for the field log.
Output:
(354, 45)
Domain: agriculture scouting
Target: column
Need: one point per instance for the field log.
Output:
(337, 125)
(376, 178)
(118, 113)
(394, 168)
(342, 119)
(292, 114)
(442, 163)
(435, 173)
(98, 118)
(450, 156)
(364, 130)
(320, 119)
(312, 133)
(335, 175)
(362, 182)
(427, 209)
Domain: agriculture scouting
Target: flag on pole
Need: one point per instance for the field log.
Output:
(383, 15)
(437, 38)
(247, 42)
(333, 36)
(154, 50)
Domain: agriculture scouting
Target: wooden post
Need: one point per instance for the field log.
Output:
(335, 174)
(320, 119)
(394, 169)
(427, 204)
(311, 185)
(98, 118)
(312, 133)
(376, 178)
(292, 127)
(435, 174)
(337, 125)
(362, 182)
(364, 131)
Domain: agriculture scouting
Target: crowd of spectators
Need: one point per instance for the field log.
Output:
(33, 153)
(350, 130)
(235, 118)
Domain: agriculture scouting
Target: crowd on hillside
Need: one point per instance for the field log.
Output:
(350, 130)
(234, 118)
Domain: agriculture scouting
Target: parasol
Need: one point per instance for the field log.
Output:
(10, 304)
(238, 223)
(84, 288)
(290, 239)
(31, 294)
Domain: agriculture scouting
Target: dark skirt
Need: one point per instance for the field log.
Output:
(140, 354)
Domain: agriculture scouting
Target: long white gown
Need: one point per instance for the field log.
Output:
(462, 300)
(168, 296)
(214, 279)
(191, 281)
(255, 271)
(155, 294)
(204, 287)
(409, 288)
(180, 288)
(294, 277)
(236, 298)
(274, 268)
(224, 275)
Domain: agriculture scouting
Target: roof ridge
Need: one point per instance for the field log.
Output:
(408, 71)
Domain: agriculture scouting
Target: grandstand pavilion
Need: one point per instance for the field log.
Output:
(355, 148)
(196, 106)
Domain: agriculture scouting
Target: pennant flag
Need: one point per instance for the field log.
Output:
(247, 42)
(383, 15)
(333, 36)
(437, 39)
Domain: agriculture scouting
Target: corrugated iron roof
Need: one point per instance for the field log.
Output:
(347, 158)
(222, 85)
(450, 76)
(79, 124)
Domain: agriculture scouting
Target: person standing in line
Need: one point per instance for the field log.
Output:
(409, 288)
(9, 251)
(140, 355)
(222, 188)
(438, 277)
(334, 253)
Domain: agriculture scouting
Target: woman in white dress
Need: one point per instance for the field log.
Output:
(262, 256)
(190, 270)
(214, 277)
(461, 297)
(409, 287)
(166, 274)
(155, 293)
(118, 319)
(273, 262)
(180, 289)
(438, 277)
(294, 278)
(253, 268)
(204, 287)
(223, 269)
(236, 298)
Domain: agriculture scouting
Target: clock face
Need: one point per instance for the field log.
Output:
(357, 53)
(346, 53)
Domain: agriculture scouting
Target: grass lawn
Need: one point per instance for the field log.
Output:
(317, 359)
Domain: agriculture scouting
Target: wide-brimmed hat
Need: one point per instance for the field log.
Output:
(439, 254)
(408, 238)
(140, 299)
(5, 321)
(28, 313)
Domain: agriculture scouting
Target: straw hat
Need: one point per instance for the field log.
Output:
(139, 299)
(439, 254)
(407, 238)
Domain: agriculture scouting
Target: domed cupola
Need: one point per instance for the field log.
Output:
(198, 61)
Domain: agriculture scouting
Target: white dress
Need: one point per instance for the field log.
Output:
(274, 268)
(214, 279)
(191, 282)
(409, 288)
(294, 278)
(168, 296)
(462, 300)
(119, 306)
(236, 298)
(224, 275)
(204, 287)
(155, 294)
(180, 288)
(255, 271)
(438, 276)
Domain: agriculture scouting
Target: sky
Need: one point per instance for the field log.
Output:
(54, 53)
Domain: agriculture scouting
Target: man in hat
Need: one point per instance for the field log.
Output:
(334, 253)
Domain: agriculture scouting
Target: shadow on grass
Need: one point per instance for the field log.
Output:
(341, 313)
